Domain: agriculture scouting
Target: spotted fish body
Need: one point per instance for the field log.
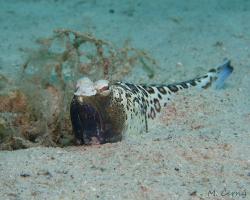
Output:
(113, 110)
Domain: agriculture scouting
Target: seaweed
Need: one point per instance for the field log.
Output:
(41, 102)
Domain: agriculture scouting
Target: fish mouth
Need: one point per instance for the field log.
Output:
(87, 123)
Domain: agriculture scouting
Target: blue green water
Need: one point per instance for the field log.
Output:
(172, 31)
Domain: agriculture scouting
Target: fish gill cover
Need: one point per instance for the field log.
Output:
(34, 110)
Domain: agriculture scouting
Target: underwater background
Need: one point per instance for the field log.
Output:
(200, 147)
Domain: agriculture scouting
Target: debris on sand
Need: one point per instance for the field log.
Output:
(36, 112)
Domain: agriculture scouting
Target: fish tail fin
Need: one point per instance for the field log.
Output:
(215, 78)
(223, 72)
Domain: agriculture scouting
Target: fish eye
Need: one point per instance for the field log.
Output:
(102, 87)
(85, 87)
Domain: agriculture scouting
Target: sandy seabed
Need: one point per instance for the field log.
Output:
(200, 151)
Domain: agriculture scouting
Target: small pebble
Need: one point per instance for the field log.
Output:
(179, 64)
(112, 11)
(24, 175)
(193, 193)
(45, 173)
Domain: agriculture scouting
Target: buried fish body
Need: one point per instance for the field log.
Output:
(102, 112)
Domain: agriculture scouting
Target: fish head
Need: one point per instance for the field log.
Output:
(91, 112)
